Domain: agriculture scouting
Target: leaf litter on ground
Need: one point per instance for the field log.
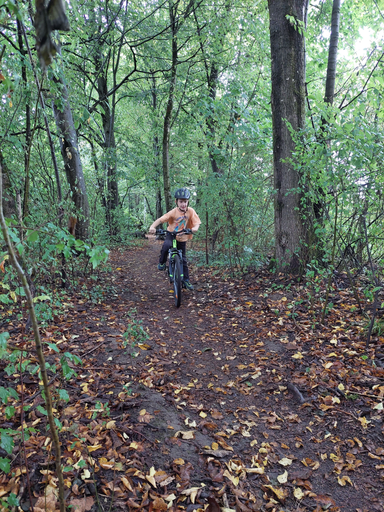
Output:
(239, 400)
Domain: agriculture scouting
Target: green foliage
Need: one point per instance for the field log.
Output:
(134, 333)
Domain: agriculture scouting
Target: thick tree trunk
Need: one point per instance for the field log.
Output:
(287, 20)
(72, 162)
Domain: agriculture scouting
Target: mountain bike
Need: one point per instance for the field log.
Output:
(175, 263)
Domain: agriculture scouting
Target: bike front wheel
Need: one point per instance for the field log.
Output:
(177, 279)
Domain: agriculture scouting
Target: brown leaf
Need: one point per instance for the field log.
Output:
(213, 506)
(159, 504)
(82, 504)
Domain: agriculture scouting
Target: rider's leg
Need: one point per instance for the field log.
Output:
(182, 246)
(165, 248)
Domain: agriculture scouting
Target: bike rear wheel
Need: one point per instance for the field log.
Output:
(177, 279)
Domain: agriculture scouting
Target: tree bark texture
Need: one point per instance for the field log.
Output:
(9, 203)
(72, 162)
(108, 119)
(156, 150)
(332, 53)
(168, 113)
(287, 20)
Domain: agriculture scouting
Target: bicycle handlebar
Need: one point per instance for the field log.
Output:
(186, 231)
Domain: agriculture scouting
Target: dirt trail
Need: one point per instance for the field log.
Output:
(209, 404)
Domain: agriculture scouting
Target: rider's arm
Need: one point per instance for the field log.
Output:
(152, 228)
(195, 221)
(160, 220)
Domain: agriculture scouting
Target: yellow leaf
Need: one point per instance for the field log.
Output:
(126, 483)
(343, 480)
(215, 446)
(110, 424)
(298, 355)
(86, 474)
(192, 492)
(234, 479)
(151, 480)
(285, 461)
(341, 387)
(202, 414)
(282, 479)
(280, 493)
(94, 447)
(364, 422)
(189, 434)
(179, 461)
(298, 493)
(105, 464)
(358, 442)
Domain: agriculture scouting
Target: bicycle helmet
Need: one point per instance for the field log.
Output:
(182, 193)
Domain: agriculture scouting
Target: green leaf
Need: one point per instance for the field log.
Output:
(5, 393)
(32, 236)
(9, 411)
(63, 394)
(53, 346)
(58, 423)
(5, 299)
(42, 410)
(5, 465)
(6, 442)
(3, 340)
(13, 500)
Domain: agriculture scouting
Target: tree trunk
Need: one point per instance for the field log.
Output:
(332, 53)
(168, 113)
(212, 88)
(9, 203)
(287, 21)
(72, 162)
(28, 136)
(108, 120)
(156, 150)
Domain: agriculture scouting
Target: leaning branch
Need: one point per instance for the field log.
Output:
(39, 347)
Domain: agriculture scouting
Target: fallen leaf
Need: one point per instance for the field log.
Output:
(82, 504)
(282, 479)
(298, 493)
(343, 480)
(285, 461)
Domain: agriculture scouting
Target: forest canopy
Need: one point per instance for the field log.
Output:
(108, 107)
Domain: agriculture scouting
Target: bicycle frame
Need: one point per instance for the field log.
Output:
(175, 265)
(171, 258)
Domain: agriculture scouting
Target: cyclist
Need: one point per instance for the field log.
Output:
(181, 217)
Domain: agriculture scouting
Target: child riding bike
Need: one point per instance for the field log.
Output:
(180, 218)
